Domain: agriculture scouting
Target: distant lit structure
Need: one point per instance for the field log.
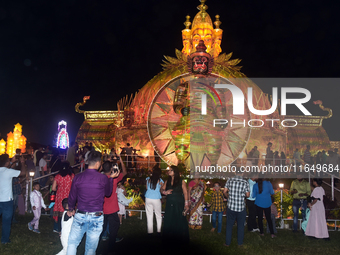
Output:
(15, 141)
(62, 139)
(2, 146)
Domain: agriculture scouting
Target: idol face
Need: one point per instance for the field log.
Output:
(204, 34)
(186, 42)
(217, 45)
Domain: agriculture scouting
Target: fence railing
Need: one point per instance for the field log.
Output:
(30, 182)
(282, 224)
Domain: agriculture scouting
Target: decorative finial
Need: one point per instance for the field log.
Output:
(217, 22)
(81, 104)
(202, 7)
(187, 23)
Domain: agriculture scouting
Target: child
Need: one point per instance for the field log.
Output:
(273, 210)
(122, 200)
(66, 223)
(217, 207)
(37, 202)
(50, 194)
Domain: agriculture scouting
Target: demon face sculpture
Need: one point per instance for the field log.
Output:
(200, 62)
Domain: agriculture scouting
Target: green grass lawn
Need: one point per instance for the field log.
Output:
(202, 241)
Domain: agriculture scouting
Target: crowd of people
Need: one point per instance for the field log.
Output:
(93, 201)
(321, 157)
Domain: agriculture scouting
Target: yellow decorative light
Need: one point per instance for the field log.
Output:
(2, 146)
(10, 140)
(22, 143)
(15, 141)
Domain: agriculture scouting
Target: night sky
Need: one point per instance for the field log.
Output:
(52, 53)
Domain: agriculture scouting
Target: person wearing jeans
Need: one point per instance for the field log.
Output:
(111, 206)
(217, 207)
(252, 213)
(6, 210)
(92, 224)
(240, 218)
(217, 216)
(153, 200)
(297, 204)
(262, 192)
(88, 189)
(6, 193)
(236, 189)
(300, 189)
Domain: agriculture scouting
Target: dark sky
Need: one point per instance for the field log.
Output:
(52, 53)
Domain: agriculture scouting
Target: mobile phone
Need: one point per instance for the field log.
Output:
(115, 169)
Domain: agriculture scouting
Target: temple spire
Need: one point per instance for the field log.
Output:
(217, 23)
(203, 9)
(187, 23)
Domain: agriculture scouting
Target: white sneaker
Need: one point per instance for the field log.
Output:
(255, 230)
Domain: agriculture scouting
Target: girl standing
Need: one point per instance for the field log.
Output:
(153, 200)
(262, 192)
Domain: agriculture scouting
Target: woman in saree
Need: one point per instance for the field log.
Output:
(196, 198)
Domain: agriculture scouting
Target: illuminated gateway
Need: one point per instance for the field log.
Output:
(152, 109)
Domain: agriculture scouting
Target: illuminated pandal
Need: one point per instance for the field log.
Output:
(108, 129)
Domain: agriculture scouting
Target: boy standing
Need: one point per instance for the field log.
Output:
(217, 207)
(37, 202)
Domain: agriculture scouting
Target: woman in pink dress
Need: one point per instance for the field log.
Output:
(317, 225)
(62, 184)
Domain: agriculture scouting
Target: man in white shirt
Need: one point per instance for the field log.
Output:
(6, 193)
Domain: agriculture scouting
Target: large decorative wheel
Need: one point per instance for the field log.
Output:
(180, 132)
